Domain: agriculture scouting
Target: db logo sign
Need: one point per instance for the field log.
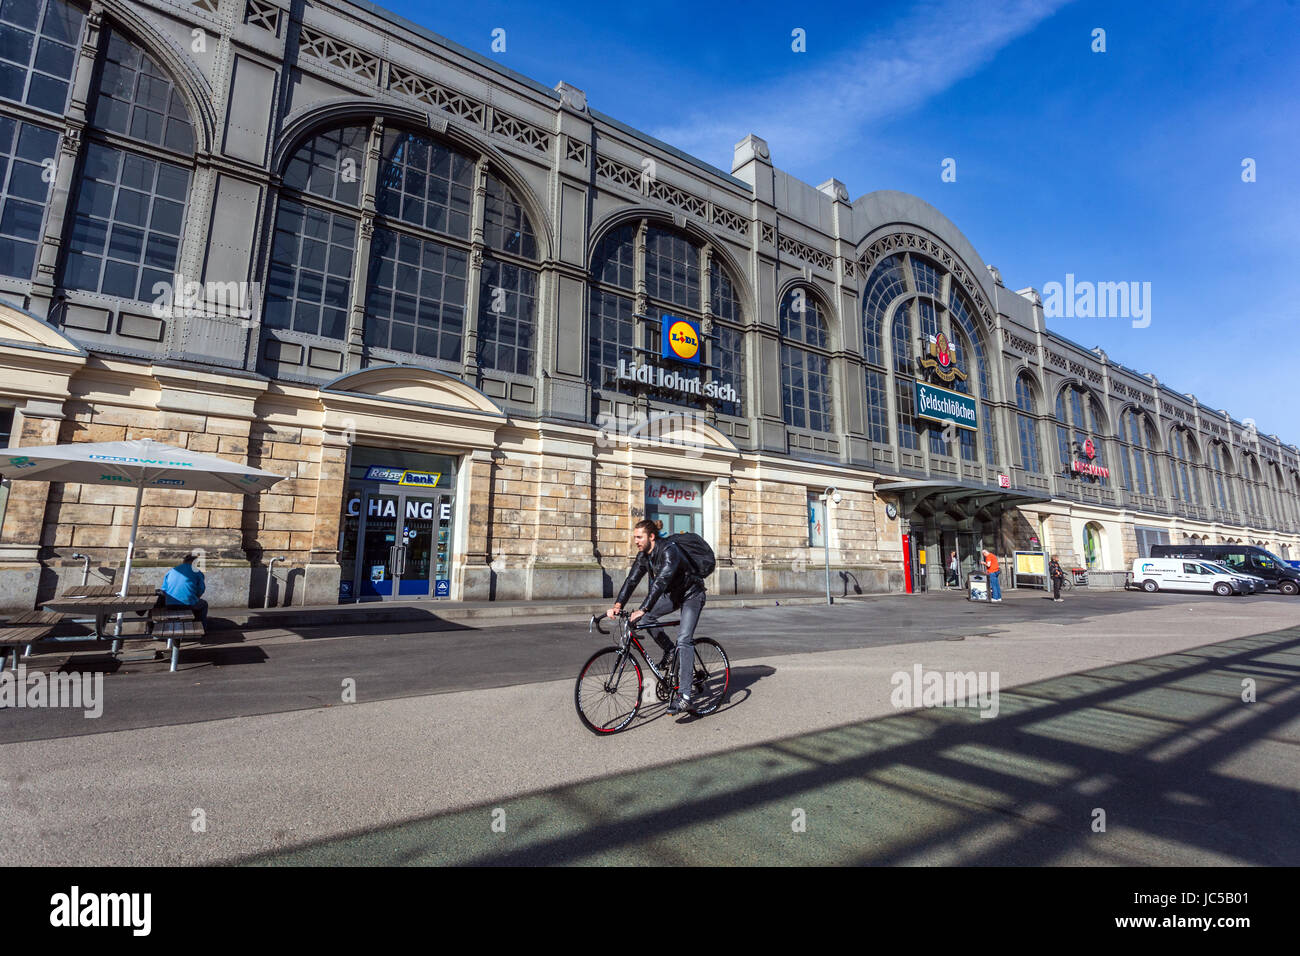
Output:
(681, 340)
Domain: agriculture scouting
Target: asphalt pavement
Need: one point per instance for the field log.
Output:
(462, 746)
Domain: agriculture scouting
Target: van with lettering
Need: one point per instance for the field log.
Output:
(1241, 559)
(1178, 574)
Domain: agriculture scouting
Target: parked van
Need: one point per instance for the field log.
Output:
(1241, 558)
(1252, 584)
(1176, 574)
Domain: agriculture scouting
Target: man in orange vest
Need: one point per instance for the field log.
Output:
(991, 568)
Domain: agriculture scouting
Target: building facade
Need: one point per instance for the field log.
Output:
(483, 328)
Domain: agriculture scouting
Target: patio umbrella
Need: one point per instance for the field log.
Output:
(139, 464)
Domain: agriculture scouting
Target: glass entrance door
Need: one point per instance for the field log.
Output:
(417, 545)
(404, 545)
(380, 561)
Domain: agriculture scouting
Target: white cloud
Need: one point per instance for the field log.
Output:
(911, 60)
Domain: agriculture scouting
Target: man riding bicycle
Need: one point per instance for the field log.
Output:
(673, 585)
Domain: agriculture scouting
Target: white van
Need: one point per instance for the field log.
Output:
(1252, 583)
(1182, 574)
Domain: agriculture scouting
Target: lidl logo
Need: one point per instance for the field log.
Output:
(681, 340)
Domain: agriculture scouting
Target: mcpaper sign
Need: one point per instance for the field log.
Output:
(681, 340)
(659, 490)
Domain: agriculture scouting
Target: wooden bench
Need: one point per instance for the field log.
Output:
(24, 631)
(169, 626)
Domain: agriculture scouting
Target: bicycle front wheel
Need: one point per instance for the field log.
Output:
(608, 694)
(712, 675)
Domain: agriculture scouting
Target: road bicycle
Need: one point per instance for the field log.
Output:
(1074, 577)
(609, 691)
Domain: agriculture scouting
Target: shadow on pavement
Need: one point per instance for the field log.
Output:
(1163, 753)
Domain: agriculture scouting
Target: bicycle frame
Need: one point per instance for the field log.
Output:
(628, 641)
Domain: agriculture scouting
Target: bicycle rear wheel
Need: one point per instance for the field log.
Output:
(712, 675)
(606, 702)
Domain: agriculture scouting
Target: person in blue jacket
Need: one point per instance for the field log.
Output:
(184, 586)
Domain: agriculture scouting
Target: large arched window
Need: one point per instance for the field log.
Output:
(507, 317)
(309, 279)
(921, 301)
(1221, 465)
(417, 277)
(887, 284)
(1137, 450)
(675, 267)
(805, 362)
(124, 234)
(1283, 513)
(1182, 447)
(1078, 417)
(1031, 458)
(38, 53)
(1252, 480)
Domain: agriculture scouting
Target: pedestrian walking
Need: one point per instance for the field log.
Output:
(1058, 578)
(991, 569)
(954, 575)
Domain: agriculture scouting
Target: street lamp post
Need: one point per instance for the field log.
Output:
(827, 497)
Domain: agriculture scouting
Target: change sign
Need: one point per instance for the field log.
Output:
(941, 405)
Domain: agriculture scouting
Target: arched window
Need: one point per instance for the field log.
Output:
(1078, 418)
(962, 316)
(507, 316)
(886, 284)
(1186, 485)
(38, 52)
(309, 278)
(1251, 481)
(805, 362)
(674, 266)
(416, 279)
(921, 302)
(1031, 458)
(1137, 452)
(1222, 485)
(124, 235)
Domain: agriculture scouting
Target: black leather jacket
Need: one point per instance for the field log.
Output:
(670, 573)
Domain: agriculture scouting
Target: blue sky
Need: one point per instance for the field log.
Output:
(1115, 166)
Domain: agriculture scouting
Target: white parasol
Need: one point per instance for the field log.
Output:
(139, 464)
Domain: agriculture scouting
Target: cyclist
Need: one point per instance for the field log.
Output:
(674, 585)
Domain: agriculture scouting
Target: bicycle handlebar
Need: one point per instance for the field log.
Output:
(597, 621)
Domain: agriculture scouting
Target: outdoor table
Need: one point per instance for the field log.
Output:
(105, 590)
(104, 607)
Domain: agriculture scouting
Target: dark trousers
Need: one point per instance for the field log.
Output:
(690, 617)
(1056, 588)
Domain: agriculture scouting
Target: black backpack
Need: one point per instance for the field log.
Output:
(697, 551)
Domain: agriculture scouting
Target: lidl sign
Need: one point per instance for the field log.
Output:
(681, 340)
(941, 405)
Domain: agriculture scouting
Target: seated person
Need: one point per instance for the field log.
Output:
(183, 587)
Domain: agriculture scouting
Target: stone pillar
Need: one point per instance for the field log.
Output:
(471, 560)
(24, 517)
(321, 576)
